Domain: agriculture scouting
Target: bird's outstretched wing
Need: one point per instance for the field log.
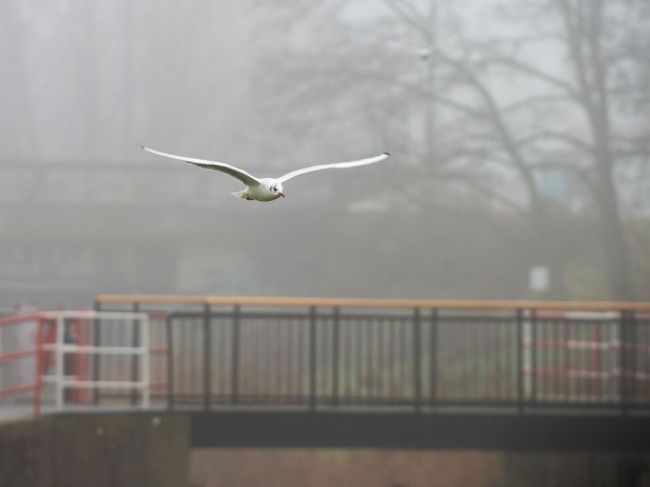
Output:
(336, 165)
(235, 172)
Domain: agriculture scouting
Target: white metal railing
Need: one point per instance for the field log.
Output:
(60, 349)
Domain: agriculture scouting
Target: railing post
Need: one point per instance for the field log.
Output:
(170, 363)
(135, 338)
(60, 357)
(533, 355)
(236, 324)
(312, 358)
(417, 360)
(520, 361)
(97, 339)
(38, 380)
(145, 377)
(207, 358)
(336, 344)
(632, 356)
(433, 356)
(624, 361)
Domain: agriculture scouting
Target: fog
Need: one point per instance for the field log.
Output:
(519, 135)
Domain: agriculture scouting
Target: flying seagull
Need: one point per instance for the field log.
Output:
(264, 189)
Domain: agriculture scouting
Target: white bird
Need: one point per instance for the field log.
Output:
(264, 189)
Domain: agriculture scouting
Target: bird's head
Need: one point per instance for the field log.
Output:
(276, 188)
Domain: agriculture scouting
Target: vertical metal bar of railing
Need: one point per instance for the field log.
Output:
(371, 352)
(623, 361)
(252, 384)
(144, 362)
(403, 360)
(557, 381)
(297, 367)
(236, 330)
(335, 355)
(287, 380)
(545, 334)
(312, 358)
(595, 366)
(581, 383)
(520, 361)
(355, 360)
(564, 359)
(345, 345)
(38, 379)
(383, 363)
(60, 358)
(364, 351)
(417, 360)
(533, 355)
(97, 339)
(433, 357)
(135, 342)
(475, 353)
(170, 362)
(632, 356)
(207, 358)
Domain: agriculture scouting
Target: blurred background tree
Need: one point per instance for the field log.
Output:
(544, 122)
(519, 131)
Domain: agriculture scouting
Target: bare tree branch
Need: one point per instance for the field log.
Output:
(536, 73)
(409, 16)
(561, 136)
(489, 192)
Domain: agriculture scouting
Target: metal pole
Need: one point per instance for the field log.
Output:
(38, 380)
(520, 362)
(144, 351)
(236, 323)
(335, 355)
(60, 377)
(312, 358)
(433, 356)
(533, 352)
(97, 339)
(417, 359)
(207, 357)
(632, 356)
(170, 363)
(135, 342)
(624, 361)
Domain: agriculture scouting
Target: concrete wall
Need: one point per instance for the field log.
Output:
(141, 450)
(407, 468)
(99, 451)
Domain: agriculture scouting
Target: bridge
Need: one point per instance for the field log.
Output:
(324, 372)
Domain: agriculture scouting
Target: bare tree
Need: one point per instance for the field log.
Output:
(544, 102)
(593, 147)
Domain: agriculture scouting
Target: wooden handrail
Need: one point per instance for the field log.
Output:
(455, 304)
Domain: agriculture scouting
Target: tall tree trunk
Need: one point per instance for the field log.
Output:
(612, 234)
(585, 34)
(611, 225)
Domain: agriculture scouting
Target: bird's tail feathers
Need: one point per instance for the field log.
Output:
(240, 194)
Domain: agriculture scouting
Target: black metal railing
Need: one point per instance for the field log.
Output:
(423, 358)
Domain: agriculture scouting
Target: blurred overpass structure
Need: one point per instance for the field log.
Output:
(63, 221)
(271, 371)
(74, 229)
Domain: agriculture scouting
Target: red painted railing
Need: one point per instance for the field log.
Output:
(26, 357)
(19, 326)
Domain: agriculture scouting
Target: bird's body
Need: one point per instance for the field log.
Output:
(264, 189)
(260, 192)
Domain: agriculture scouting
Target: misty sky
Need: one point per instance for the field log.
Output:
(276, 86)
